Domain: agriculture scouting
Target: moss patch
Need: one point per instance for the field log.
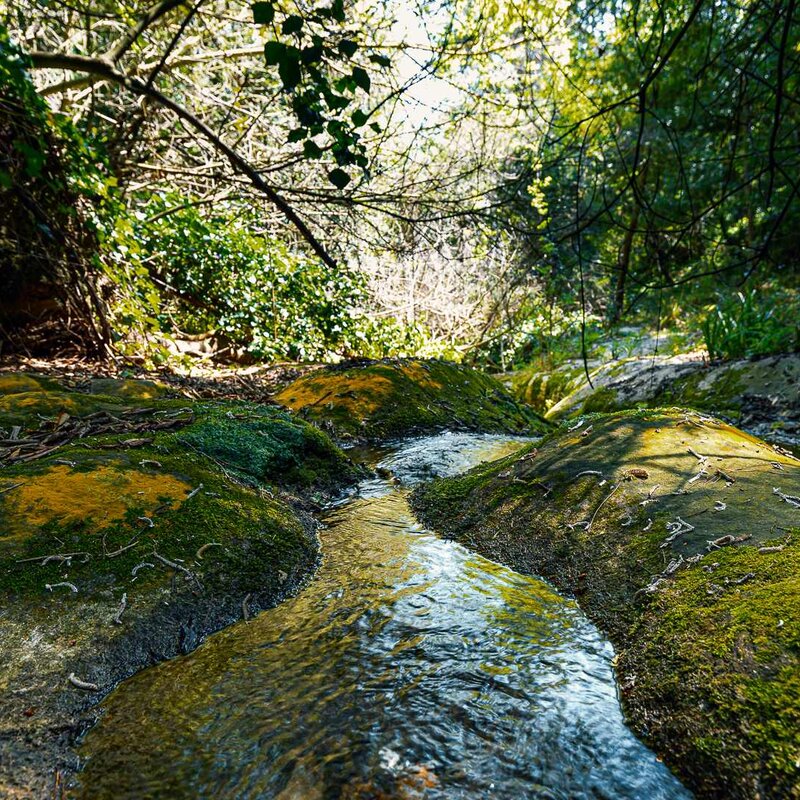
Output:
(655, 520)
(128, 388)
(25, 408)
(395, 398)
(185, 527)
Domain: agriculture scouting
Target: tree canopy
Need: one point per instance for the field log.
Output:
(460, 177)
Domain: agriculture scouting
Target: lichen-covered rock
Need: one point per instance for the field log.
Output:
(381, 399)
(542, 390)
(145, 529)
(760, 394)
(680, 536)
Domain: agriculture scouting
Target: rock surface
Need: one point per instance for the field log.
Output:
(680, 537)
(381, 399)
(762, 395)
(151, 524)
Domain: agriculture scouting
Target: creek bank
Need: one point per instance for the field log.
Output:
(369, 400)
(131, 527)
(680, 536)
(761, 395)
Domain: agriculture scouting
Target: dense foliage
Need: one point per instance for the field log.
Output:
(484, 179)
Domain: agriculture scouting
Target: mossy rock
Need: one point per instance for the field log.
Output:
(129, 388)
(382, 399)
(747, 391)
(542, 390)
(680, 537)
(16, 382)
(190, 524)
(27, 408)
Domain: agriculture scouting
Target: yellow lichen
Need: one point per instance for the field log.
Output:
(103, 495)
(14, 383)
(358, 393)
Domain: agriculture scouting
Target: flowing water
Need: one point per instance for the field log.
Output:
(408, 667)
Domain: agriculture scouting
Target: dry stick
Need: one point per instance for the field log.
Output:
(51, 586)
(89, 687)
(9, 488)
(53, 557)
(104, 67)
(179, 568)
(607, 498)
(201, 550)
(121, 610)
(141, 566)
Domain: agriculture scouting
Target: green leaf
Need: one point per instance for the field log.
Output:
(347, 47)
(339, 178)
(311, 149)
(263, 13)
(361, 78)
(383, 61)
(359, 118)
(337, 10)
(297, 135)
(289, 68)
(292, 24)
(273, 52)
(374, 125)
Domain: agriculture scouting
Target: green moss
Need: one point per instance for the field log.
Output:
(708, 657)
(602, 399)
(267, 445)
(26, 408)
(16, 382)
(128, 388)
(396, 398)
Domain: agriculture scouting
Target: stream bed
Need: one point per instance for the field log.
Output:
(408, 667)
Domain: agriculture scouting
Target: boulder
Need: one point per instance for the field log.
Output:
(380, 399)
(129, 534)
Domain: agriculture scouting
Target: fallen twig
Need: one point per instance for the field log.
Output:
(121, 610)
(792, 500)
(89, 687)
(51, 586)
(142, 565)
(245, 611)
(203, 548)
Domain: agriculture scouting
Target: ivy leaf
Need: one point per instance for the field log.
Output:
(359, 118)
(383, 61)
(263, 13)
(337, 10)
(361, 78)
(289, 68)
(292, 24)
(347, 47)
(375, 127)
(273, 52)
(311, 149)
(297, 135)
(339, 178)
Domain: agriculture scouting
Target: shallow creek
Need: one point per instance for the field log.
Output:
(408, 667)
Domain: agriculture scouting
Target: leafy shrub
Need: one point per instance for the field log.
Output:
(753, 324)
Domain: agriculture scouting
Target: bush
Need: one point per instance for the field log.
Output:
(753, 324)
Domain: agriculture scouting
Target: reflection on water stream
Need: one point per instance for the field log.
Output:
(408, 668)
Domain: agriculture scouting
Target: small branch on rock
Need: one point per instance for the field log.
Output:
(722, 474)
(648, 526)
(774, 549)
(85, 685)
(697, 455)
(9, 488)
(792, 500)
(142, 565)
(676, 529)
(179, 568)
(201, 550)
(121, 610)
(148, 462)
(147, 521)
(193, 492)
(67, 584)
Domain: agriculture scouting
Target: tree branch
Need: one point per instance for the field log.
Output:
(105, 68)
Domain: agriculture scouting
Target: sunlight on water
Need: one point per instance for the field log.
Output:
(408, 668)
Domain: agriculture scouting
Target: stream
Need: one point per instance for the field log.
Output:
(408, 667)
